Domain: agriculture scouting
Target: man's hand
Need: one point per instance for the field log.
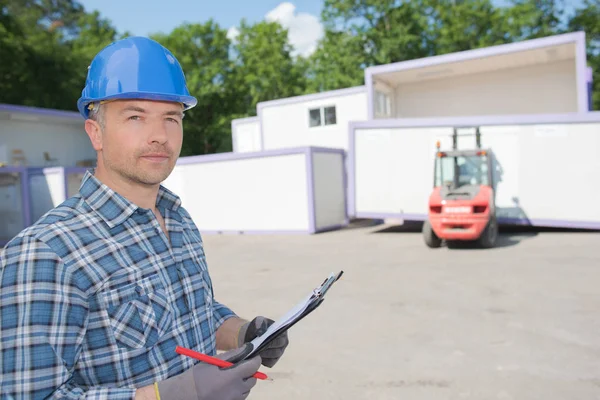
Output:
(259, 325)
(207, 382)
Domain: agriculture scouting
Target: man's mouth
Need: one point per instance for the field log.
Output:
(156, 157)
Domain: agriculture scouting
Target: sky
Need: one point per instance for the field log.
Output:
(301, 17)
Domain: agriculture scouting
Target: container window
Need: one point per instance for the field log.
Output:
(330, 118)
(314, 117)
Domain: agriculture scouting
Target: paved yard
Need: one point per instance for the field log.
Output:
(521, 321)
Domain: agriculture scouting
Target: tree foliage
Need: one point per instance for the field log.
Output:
(46, 46)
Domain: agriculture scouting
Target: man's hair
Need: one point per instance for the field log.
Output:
(97, 114)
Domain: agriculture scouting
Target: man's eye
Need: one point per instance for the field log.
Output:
(134, 117)
(172, 120)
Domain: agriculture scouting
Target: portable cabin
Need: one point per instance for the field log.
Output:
(531, 103)
(39, 137)
(539, 76)
(319, 120)
(292, 190)
(245, 135)
(543, 166)
(43, 155)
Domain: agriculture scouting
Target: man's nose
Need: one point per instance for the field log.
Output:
(158, 132)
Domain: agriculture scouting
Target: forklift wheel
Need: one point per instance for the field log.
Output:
(431, 239)
(489, 235)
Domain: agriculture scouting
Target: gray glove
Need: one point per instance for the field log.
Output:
(207, 382)
(271, 353)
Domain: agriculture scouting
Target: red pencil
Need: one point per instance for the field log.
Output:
(212, 360)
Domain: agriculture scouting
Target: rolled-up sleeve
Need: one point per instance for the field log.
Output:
(43, 317)
(222, 313)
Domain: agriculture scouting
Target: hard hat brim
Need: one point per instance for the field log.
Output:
(187, 101)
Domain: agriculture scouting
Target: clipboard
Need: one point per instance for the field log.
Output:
(292, 317)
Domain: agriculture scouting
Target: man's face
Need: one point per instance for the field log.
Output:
(141, 140)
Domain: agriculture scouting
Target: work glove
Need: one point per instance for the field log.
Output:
(271, 353)
(208, 382)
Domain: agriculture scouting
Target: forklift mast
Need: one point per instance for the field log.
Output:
(455, 136)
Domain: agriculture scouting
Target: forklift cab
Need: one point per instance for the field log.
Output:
(462, 203)
(459, 168)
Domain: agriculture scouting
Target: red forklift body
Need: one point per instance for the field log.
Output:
(462, 203)
(460, 219)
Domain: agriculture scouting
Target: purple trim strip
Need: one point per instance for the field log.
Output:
(331, 150)
(240, 156)
(73, 115)
(261, 131)
(577, 37)
(370, 89)
(311, 97)
(550, 223)
(253, 232)
(532, 44)
(11, 169)
(300, 99)
(26, 198)
(590, 88)
(351, 172)
(378, 215)
(570, 118)
(310, 190)
(345, 183)
(45, 170)
(581, 67)
(480, 120)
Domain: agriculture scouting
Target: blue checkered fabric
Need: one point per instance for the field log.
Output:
(94, 298)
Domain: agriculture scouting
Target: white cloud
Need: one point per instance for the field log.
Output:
(232, 33)
(304, 30)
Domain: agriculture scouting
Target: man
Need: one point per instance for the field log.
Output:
(96, 295)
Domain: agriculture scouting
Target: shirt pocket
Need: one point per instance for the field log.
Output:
(139, 313)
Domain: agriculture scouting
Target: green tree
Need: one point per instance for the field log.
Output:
(587, 19)
(46, 46)
(203, 51)
(458, 25)
(337, 62)
(529, 19)
(264, 66)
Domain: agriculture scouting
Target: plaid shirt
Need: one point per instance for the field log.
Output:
(94, 298)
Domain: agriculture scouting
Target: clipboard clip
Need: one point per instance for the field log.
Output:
(321, 290)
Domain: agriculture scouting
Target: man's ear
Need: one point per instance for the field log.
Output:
(92, 128)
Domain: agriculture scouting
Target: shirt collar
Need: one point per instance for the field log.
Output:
(112, 207)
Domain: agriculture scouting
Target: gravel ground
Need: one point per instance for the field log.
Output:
(520, 321)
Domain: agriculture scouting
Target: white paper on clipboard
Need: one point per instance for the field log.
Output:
(296, 313)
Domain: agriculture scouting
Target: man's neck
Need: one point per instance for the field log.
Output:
(143, 196)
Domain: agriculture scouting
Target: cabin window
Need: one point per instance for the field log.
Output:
(322, 116)
(383, 106)
(314, 116)
(330, 118)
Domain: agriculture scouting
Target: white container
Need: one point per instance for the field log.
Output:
(546, 171)
(295, 190)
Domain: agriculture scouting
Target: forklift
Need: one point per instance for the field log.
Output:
(462, 204)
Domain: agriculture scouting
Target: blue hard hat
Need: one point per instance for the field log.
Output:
(135, 68)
